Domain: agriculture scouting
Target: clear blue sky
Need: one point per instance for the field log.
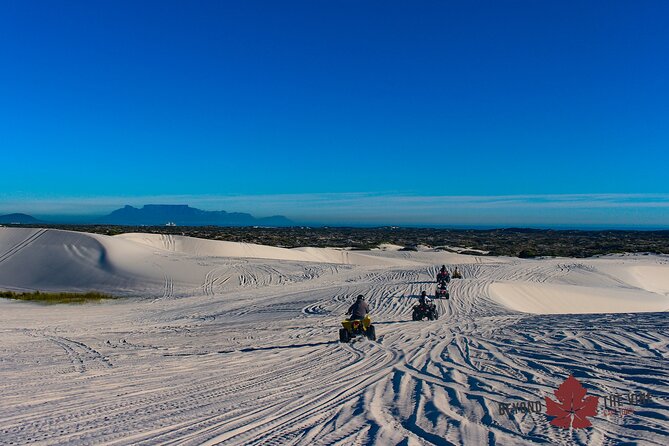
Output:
(295, 107)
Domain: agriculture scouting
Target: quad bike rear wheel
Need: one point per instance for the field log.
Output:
(371, 333)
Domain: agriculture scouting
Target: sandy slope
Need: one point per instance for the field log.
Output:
(220, 347)
(214, 248)
(541, 298)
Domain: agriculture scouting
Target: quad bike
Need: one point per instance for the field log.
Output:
(443, 277)
(441, 292)
(357, 327)
(426, 310)
(457, 275)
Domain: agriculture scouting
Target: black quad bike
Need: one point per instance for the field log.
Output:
(445, 277)
(425, 310)
(441, 292)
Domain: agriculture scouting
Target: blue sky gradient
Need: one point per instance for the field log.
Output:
(254, 105)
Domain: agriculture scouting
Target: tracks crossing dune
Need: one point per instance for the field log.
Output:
(215, 349)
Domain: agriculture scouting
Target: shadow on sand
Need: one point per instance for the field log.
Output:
(280, 347)
(392, 322)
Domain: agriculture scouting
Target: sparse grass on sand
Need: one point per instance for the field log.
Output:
(57, 298)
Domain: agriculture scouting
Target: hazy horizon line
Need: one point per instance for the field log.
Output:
(615, 210)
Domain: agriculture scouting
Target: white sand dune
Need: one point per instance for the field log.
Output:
(650, 277)
(389, 247)
(215, 248)
(53, 260)
(560, 299)
(236, 344)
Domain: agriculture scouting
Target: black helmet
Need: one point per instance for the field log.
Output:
(360, 297)
(423, 293)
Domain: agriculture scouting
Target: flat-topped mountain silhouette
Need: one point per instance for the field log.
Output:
(184, 215)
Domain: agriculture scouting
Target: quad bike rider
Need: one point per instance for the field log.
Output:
(359, 323)
(456, 273)
(424, 309)
(441, 292)
(443, 275)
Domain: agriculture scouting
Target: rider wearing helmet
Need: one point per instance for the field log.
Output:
(446, 277)
(443, 274)
(359, 309)
(423, 299)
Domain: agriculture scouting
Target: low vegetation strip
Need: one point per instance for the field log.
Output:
(514, 242)
(57, 298)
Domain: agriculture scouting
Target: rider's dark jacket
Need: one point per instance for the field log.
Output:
(358, 310)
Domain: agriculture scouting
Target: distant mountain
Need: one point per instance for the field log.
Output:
(18, 219)
(184, 215)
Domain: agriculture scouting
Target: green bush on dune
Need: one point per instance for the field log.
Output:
(57, 298)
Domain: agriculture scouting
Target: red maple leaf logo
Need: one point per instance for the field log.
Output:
(573, 408)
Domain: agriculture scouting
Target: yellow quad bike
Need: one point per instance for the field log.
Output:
(357, 327)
